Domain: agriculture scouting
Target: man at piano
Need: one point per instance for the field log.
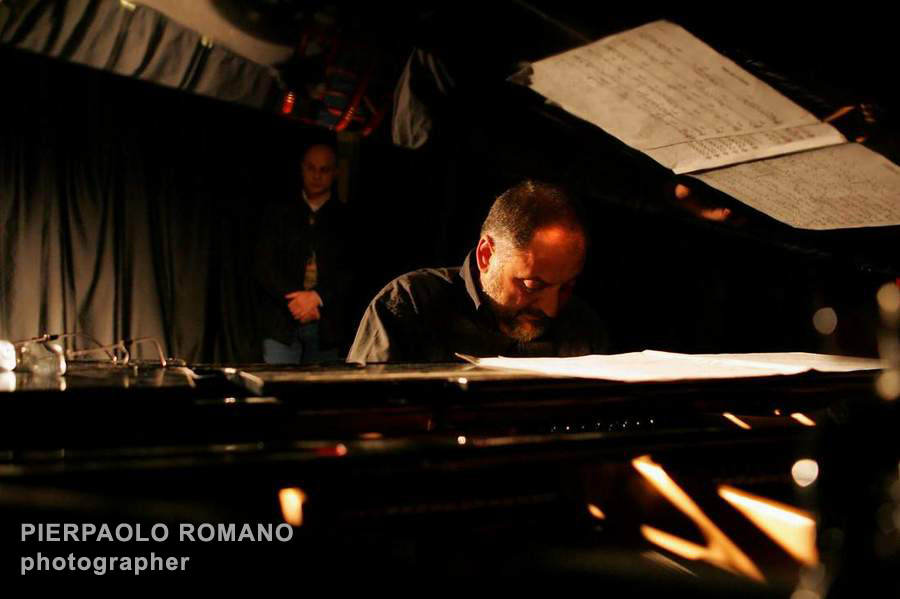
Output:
(512, 296)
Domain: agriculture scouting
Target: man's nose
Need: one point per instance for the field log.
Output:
(548, 302)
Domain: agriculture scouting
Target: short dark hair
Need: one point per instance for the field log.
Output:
(528, 206)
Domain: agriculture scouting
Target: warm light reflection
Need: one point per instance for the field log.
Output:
(291, 500)
(7, 381)
(803, 419)
(371, 436)
(7, 356)
(338, 450)
(838, 113)
(888, 297)
(793, 529)
(287, 105)
(888, 385)
(805, 472)
(676, 545)
(825, 321)
(596, 512)
(736, 420)
(659, 558)
(719, 549)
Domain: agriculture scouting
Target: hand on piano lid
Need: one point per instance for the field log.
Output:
(304, 305)
(690, 199)
(857, 122)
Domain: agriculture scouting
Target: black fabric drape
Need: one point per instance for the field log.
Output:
(130, 210)
(136, 41)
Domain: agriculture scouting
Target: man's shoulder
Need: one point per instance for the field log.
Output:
(423, 280)
(418, 289)
(280, 211)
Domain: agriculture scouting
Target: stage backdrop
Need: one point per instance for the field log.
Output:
(129, 209)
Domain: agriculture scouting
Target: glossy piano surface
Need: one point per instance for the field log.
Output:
(448, 469)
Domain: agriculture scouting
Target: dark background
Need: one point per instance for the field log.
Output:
(131, 209)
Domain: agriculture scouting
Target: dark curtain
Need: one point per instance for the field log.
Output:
(133, 40)
(129, 210)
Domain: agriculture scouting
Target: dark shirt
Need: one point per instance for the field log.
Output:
(287, 238)
(429, 315)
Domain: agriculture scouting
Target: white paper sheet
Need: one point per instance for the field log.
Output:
(716, 152)
(651, 366)
(663, 91)
(830, 188)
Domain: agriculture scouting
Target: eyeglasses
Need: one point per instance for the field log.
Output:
(117, 353)
(36, 353)
(40, 357)
(163, 361)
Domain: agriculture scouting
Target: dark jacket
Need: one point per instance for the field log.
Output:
(286, 239)
(429, 315)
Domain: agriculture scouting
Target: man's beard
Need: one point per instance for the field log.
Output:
(513, 322)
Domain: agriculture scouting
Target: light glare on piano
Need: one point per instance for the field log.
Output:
(291, 500)
(888, 385)
(805, 472)
(825, 320)
(793, 529)
(889, 298)
(596, 512)
(736, 420)
(803, 419)
(719, 550)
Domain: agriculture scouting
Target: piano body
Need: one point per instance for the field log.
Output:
(755, 486)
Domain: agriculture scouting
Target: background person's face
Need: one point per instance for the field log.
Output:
(318, 170)
(528, 287)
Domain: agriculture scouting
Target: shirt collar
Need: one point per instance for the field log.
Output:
(470, 276)
(308, 205)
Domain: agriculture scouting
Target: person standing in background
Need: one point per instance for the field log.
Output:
(303, 267)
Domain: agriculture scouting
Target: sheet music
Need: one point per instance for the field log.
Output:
(830, 188)
(652, 366)
(819, 362)
(703, 154)
(663, 91)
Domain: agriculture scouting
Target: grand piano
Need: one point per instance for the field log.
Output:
(757, 486)
(783, 486)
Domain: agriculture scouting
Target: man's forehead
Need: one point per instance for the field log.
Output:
(555, 254)
(555, 237)
(319, 155)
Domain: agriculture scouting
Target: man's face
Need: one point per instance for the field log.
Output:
(318, 169)
(528, 287)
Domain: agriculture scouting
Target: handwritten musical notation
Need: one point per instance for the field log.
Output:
(666, 93)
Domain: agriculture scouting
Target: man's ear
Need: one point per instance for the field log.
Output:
(484, 251)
